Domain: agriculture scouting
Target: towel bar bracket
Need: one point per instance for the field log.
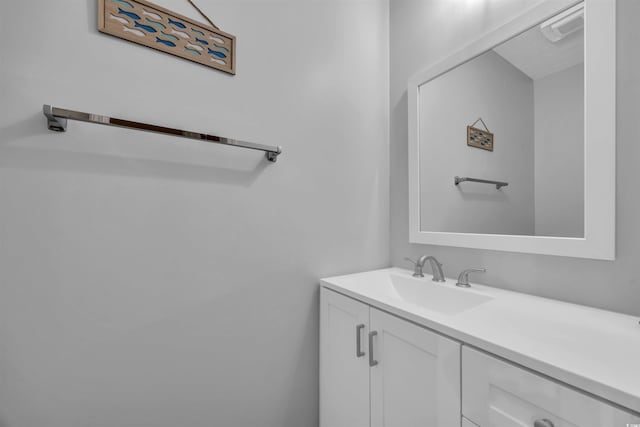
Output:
(57, 124)
(273, 156)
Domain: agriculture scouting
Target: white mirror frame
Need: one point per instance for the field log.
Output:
(599, 145)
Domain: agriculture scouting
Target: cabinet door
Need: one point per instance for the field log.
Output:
(344, 368)
(416, 381)
(498, 394)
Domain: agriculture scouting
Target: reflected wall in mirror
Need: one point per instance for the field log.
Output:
(544, 86)
(529, 92)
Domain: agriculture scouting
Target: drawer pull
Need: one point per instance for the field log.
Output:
(359, 352)
(372, 361)
(543, 423)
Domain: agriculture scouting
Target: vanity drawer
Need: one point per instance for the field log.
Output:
(498, 394)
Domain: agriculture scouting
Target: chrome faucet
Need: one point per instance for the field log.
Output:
(463, 278)
(436, 267)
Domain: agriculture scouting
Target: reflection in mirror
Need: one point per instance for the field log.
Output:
(529, 94)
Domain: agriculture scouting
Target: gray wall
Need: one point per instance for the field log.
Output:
(490, 88)
(152, 281)
(559, 153)
(424, 32)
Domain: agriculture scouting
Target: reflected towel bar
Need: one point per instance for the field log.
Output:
(57, 121)
(458, 179)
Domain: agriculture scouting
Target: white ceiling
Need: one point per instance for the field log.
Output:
(537, 57)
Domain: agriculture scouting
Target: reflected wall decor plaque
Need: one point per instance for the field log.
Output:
(479, 138)
(153, 26)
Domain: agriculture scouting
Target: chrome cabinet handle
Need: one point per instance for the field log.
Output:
(359, 352)
(372, 361)
(543, 423)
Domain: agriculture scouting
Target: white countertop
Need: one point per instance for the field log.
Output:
(594, 350)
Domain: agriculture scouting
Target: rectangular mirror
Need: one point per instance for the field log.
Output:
(512, 139)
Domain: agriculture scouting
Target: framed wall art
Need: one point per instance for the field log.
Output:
(150, 25)
(479, 138)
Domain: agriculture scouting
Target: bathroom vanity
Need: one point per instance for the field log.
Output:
(402, 351)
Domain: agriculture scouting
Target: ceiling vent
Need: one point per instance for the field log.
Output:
(563, 24)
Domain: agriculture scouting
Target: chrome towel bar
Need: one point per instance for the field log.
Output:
(458, 179)
(57, 121)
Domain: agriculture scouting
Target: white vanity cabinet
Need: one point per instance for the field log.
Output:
(344, 369)
(381, 371)
(496, 393)
(400, 351)
(416, 378)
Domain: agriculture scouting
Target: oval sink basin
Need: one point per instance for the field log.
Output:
(443, 298)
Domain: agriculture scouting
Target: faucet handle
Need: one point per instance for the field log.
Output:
(463, 278)
(417, 267)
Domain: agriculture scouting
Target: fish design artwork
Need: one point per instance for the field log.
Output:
(165, 42)
(123, 3)
(153, 15)
(131, 30)
(118, 18)
(180, 33)
(192, 51)
(144, 23)
(129, 14)
(195, 47)
(169, 36)
(221, 48)
(145, 27)
(177, 24)
(155, 24)
(216, 53)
